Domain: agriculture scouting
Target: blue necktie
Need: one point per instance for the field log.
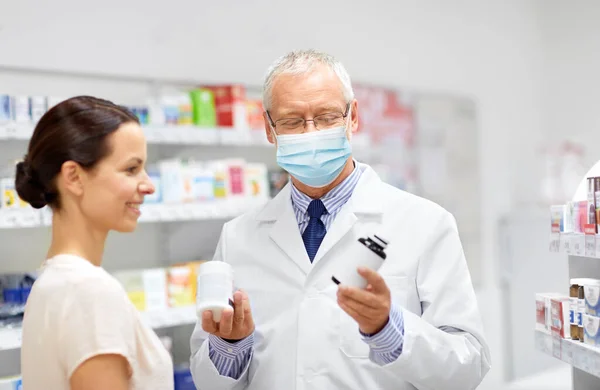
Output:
(315, 231)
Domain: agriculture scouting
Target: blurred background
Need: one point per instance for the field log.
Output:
(486, 107)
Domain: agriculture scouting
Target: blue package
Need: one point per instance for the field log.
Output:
(183, 379)
(5, 108)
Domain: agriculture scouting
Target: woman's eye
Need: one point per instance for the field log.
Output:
(132, 169)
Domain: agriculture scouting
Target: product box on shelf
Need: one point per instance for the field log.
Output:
(181, 286)
(257, 184)
(559, 317)
(256, 120)
(591, 202)
(38, 105)
(591, 333)
(21, 109)
(204, 112)
(8, 194)
(236, 177)
(591, 288)
(557, 218)
(147, 288)
(543, 311)
(230, 105)
(5, 108)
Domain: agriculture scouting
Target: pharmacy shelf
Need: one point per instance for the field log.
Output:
(576, 244)
(10, 338)
(182, 135)
(572, 352)
(28, 217)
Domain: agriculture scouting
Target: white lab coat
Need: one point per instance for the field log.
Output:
(304, 341)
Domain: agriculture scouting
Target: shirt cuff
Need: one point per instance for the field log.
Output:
(390, 339)
(230, 350)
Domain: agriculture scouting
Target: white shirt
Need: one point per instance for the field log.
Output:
(77, 310)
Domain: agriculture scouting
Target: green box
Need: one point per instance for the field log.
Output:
(204, 112)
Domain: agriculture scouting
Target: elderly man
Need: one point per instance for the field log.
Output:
(415, 326)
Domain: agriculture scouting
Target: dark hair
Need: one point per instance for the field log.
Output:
(74, 130)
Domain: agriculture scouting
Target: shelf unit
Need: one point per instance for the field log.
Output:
(28, 217)
(583, 252)
(168, 134)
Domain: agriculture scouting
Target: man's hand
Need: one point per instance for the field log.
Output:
(236, 324)
(369, 307)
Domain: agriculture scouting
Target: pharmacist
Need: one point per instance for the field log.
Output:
(415, 326)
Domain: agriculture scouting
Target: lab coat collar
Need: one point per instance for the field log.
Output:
(286, 234)
(361, 202)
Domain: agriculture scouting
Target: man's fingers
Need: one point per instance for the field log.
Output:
(364, 311)
(373, 278)
(361, 296)
(238, 314)
(208, 324)
(246, 307)
(352, 312)
(226, 323)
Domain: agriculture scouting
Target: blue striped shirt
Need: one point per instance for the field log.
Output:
(231, 359)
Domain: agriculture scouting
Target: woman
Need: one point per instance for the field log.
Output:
(80, 331)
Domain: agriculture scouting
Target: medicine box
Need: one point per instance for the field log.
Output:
(592, 302)
(21, 109)
(181, 286)
(38, 105)
(560, 323)
(146, 289)
(203, 107)
(230, 105)
(543, 310)
(8, 194)
(556, 218)
(5, 108)
(591, 325)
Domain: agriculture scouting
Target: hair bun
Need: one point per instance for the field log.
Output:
(28, 186)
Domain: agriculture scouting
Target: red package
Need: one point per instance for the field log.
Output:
(230, 105)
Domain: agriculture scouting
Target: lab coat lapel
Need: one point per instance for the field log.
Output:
(285, 232)
(361, 204)
(341, 225)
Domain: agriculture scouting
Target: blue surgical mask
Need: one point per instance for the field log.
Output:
(316, 158)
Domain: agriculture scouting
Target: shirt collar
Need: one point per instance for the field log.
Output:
(334, 199)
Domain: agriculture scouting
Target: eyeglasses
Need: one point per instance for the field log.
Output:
(321, 122)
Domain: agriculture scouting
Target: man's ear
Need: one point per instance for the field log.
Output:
(71, 175)
(354, 116)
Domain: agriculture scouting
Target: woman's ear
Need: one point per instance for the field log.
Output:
(71, 177)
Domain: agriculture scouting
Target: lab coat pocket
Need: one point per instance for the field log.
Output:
(403, 292)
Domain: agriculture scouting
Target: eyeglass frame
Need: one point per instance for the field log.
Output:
(274, 124)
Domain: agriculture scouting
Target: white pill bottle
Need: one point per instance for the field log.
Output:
(369, 252)
(215, 288)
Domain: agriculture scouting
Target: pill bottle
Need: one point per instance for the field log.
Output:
(215, 288)
(369, 253)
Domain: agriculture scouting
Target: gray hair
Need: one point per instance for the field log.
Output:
(301, 62)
